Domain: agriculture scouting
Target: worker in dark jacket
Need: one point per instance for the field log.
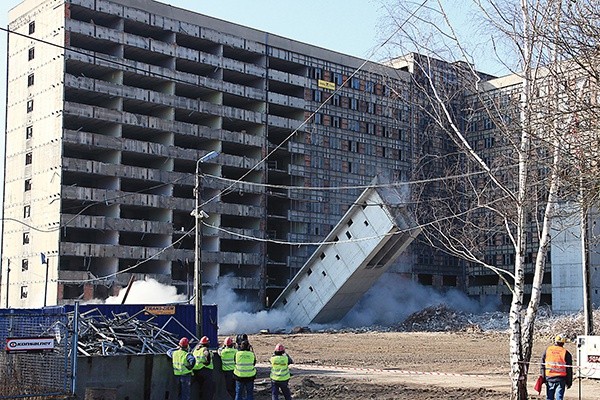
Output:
(557, 369)
(244, 372)
(203, 370)
(183, 362)
(280, 373)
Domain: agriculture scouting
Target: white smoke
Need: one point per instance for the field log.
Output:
(389, 302)
(393, 298)
(148, 291)
(236, 315)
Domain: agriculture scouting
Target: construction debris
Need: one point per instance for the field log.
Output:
(121, 334)
(438, 318)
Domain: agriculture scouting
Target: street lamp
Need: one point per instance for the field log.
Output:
(198, 214)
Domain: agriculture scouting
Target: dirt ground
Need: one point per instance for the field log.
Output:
(399, 365)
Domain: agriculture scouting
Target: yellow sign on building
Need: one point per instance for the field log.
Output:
(326, 85)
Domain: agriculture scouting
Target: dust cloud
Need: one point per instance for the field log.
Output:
(148, 291)
(389, 302)
(393, 298)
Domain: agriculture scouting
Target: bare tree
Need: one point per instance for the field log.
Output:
(509, 153)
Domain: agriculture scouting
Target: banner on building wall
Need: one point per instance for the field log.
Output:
(326, 84)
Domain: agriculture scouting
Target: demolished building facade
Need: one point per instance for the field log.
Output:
(111, 103)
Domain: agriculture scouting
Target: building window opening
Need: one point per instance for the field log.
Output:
(25, 237)
(29, 106)
(27, 211)
(24, 265)
(27, 184)
(29, 132)
(31, 54)
(30, 79)
(32, 27)
(28, 158)
(24, 292)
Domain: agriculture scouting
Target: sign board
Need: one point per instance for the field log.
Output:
(326, 84)
(160, 310)
(29, 344)
(588, 356)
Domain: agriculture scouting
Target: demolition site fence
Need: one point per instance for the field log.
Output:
(30, 372)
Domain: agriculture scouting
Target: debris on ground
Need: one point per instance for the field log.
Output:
(438, 318)
(121, 334)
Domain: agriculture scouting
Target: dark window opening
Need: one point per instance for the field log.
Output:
(31, 27)
(24, 265)
(31, 54)
(29, 132)
(28, 158)
(27, 184)
(348, 235)
(29, 106)
(25, 237)
(30, 79)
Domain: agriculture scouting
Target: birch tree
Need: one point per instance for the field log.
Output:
(508, 186)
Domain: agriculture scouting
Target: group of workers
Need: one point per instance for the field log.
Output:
(238, 365)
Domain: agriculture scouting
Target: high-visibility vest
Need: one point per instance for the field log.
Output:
(201, 359)
(279, 368)
(228, 358)
(244, 364)
(556, 364)
(180, 363)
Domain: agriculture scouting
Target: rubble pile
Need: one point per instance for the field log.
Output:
(120, 334)
(438, 318)
(569, 325)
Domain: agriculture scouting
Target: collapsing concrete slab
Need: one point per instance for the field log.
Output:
(361, 247)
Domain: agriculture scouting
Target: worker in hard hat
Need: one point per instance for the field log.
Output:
(203, 369)
(183, 363)
(557, 369)
(280, 373)
(244, 372)
(227, 353)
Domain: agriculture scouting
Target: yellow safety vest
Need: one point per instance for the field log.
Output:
(244, 364)
(279, 368)
(201, 359)
(228, 359)
(180, 363)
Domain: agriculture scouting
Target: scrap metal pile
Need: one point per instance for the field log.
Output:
(121, 334)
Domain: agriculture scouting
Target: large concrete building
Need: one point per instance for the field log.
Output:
(112, 103)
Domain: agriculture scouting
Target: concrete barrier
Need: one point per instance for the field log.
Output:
(147, 376)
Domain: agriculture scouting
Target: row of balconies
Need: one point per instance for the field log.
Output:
(169, 25)
(112, 36)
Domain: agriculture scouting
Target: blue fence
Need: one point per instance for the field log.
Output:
(178, 319)
(27, 370)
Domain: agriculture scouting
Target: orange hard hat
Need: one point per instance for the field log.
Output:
(184, 342)
(279, 348)
(228, 341)
(204, 340)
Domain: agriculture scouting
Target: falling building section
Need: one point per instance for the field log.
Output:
(361, 247)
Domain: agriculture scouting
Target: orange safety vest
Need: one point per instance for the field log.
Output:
(556, 364)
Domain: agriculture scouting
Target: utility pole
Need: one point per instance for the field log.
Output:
(198, 214)
(47, 262)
